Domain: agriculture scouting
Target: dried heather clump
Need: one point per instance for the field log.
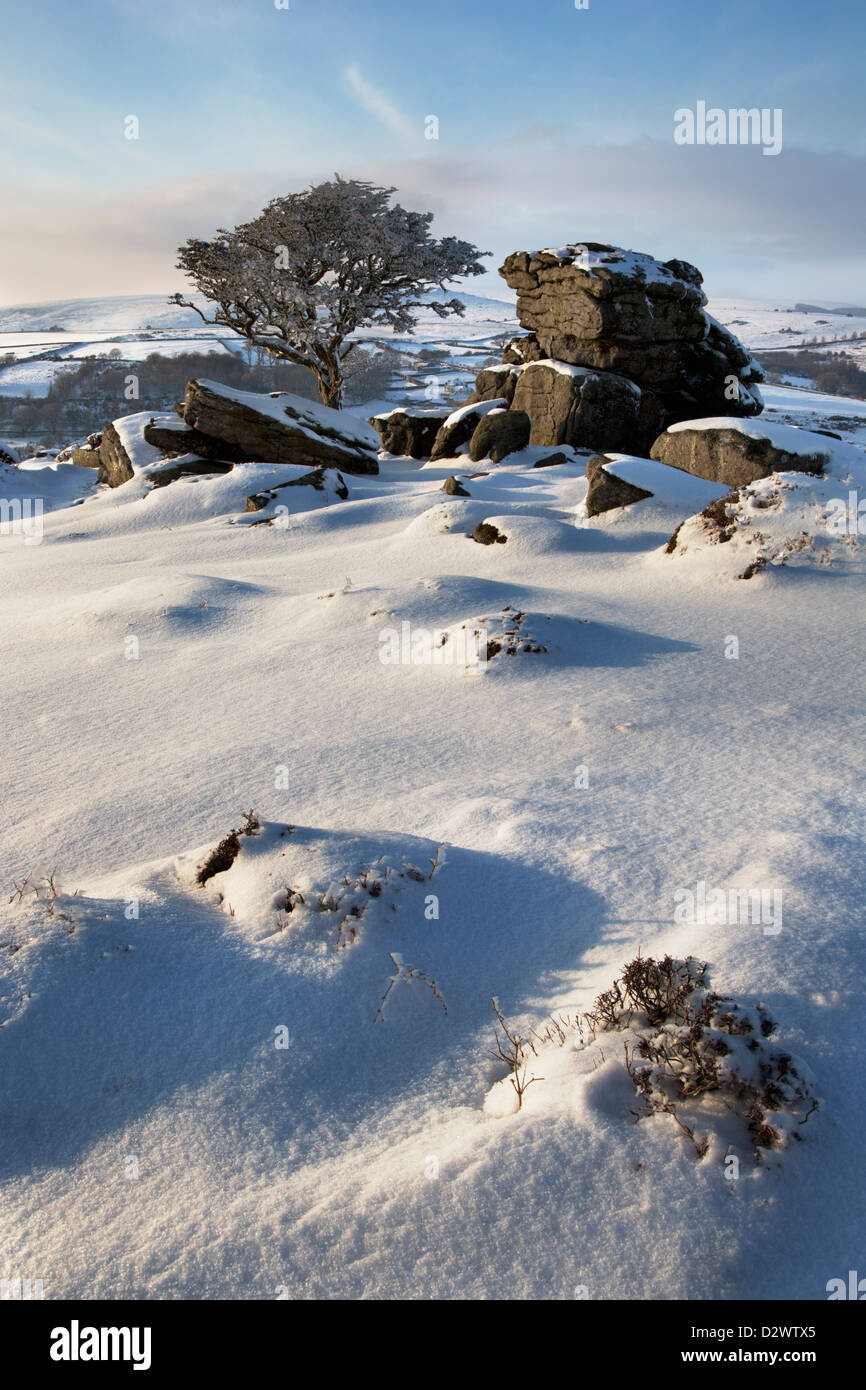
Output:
(689, 1044)
(226, 852)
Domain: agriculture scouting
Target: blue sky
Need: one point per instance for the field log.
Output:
(555, 124)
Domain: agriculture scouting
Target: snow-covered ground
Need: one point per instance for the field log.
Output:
(31, 378)
(442, 356)
(769, 324)
(757, 323)
(202, 1092)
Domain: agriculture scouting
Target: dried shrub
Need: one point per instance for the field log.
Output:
(686, 1046)
(717, 516)
(227, 851)
(687, 1042)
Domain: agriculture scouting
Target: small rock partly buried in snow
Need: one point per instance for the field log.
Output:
(454, 488)
(499, 433)
(551, 461)
(318, 478)
(606, 491)
(485, 534)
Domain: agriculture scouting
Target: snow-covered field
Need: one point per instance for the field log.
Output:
(448, 352)
(202, 1093)
(767, 324)
(443, 354)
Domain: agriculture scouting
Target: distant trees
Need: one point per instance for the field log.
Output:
(93, 389)
(836, 373)
(313, 267)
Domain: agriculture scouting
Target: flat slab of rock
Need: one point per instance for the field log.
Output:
(551, 461)
(409, 432)
(188, 466)
(85, 457)
(736, 452)
(282, 428)
(669, 488)
(173, 437)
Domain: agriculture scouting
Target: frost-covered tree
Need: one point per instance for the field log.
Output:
(313, 267)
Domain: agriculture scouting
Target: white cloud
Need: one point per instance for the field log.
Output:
(380, 105)
(756, 232)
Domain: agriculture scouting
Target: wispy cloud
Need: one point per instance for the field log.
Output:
(380, 105)
(27, 132)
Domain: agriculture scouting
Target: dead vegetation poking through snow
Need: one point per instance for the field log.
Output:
(506, 633)
(406, 974)
(276, 877)
(692, 1053)
(46, 893)
(779, 520)
(513, 1050)
(688, 1042)
(227, 851)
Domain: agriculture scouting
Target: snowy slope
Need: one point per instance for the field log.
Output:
(118, 314)
(200, 1096)
(129, 313)
(757, 323)
(773, 324)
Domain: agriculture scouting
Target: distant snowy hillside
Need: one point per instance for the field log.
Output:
(113, 314)
(129, 313)
(770, 324)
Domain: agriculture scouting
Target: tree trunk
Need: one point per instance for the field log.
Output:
(331, 390)
(329, 377)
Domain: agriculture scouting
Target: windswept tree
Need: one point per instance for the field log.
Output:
(314, 267)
